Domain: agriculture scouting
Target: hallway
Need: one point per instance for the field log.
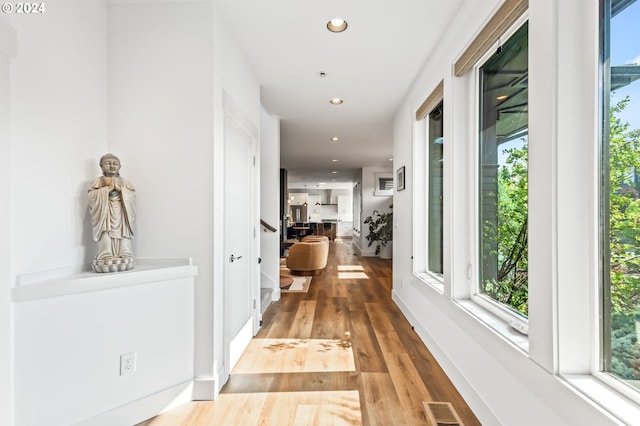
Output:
(341, 354)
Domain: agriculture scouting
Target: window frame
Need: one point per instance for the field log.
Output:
(510, 317)
(421, 188)
(439, 277)
(599, 370)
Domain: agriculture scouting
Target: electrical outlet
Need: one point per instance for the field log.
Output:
(127, 363)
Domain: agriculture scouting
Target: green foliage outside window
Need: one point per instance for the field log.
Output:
(624, 244)
(511, 285)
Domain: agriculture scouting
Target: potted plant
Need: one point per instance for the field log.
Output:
(380, 231)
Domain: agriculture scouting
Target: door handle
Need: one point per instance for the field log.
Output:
(233, 258)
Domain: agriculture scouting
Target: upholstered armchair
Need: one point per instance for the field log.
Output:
(308, 257)
(316, 238)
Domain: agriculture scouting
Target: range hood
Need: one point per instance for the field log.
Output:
(327, 197)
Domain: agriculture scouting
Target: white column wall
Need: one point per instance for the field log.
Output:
(270, 202)
(543, 169)
(577, 205)
(7, 51)
(233, 76)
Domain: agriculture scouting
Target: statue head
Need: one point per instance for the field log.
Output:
(110, 165)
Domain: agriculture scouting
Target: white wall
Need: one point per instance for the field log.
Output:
(58, 131)
(53, 121)
(501, 383)
(161, 123)
(370, 202)
(7, 50)
(270, 202)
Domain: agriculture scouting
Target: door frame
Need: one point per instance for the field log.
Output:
(233, 113)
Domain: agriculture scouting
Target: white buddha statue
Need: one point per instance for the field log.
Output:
(112, 210)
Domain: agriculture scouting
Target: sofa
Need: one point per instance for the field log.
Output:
(309, 256)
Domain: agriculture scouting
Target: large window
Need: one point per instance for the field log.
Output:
(621, 190)
(503, 174)
(436, 145)
(357, 207)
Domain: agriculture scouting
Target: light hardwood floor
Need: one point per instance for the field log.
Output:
(341, 354)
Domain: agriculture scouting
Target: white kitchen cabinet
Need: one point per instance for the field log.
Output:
(345, 208)
(345, 228)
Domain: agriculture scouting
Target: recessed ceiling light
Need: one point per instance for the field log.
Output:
(335, 161)
(337, 25)
(390, 159)
(335, 139)
(334, 172)
(336, 101)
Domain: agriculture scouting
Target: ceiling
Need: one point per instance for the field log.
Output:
(371, 66)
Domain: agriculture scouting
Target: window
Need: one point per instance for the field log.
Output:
(384, 184)
(503, 174)
(620, 192)
(428, 178)
(357, 207)
(435, 194)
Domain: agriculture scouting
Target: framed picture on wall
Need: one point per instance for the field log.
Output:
(384, 184)
(400, 178)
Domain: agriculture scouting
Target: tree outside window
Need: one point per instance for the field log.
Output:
(621, 190)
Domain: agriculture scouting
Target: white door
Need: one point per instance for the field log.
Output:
(240, 262)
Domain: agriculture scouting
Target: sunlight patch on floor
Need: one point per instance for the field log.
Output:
(296, 356)
(352, 276)
(350, 268)
(282, 408)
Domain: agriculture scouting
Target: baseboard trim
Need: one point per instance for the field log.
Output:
(356, 247)
(205, 389)
(144, 408)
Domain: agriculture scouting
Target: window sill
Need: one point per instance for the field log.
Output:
(484, 316)
(616, 404)
(497, 324)
(431, 281)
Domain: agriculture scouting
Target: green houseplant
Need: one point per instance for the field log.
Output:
(380, 228)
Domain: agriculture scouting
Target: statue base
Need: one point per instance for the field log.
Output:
(114, 264)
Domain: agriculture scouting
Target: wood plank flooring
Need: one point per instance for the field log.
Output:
(341, 354)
